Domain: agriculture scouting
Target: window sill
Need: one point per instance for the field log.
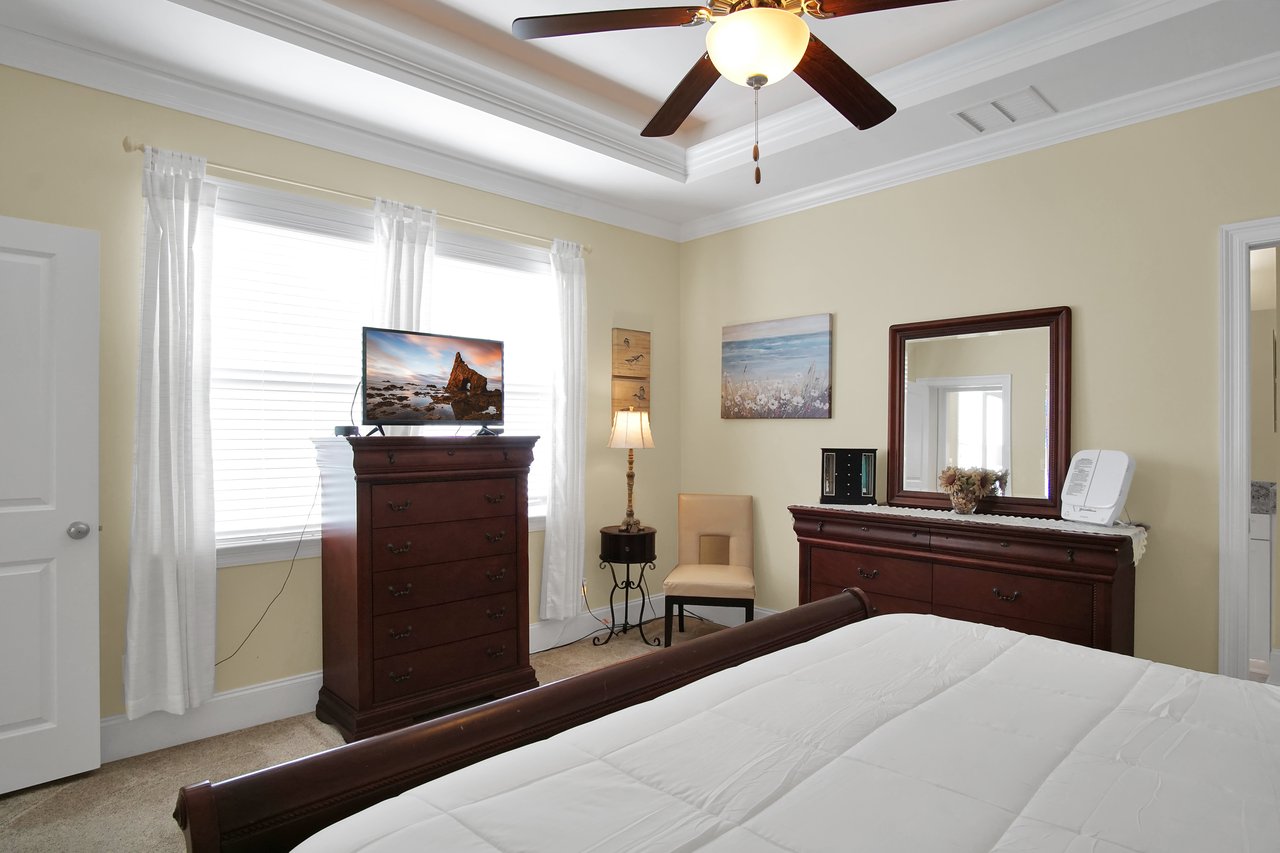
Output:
(282, 551)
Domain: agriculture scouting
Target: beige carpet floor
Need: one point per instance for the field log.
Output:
(127, 805)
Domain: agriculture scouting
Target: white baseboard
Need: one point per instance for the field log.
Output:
(225, 712)
(274, 700)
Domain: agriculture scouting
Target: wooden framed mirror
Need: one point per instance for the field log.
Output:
(989, 391)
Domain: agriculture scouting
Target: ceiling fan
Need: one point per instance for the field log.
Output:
(751, 42)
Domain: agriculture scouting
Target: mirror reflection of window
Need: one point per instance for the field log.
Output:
(979, 427)
(959, 408)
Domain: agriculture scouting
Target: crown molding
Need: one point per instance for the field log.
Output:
(1019, 44)
(132, 80)
(1234, 81)
(347, 37)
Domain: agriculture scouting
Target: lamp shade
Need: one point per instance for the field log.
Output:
(757, 42)
(631, 430)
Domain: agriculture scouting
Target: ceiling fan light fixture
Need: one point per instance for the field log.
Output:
(757, 42)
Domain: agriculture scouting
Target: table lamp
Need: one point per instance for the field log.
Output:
(630, 430)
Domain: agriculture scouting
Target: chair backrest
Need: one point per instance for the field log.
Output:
(727, 516)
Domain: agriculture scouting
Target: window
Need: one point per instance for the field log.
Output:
(292, 286)
(490, 289)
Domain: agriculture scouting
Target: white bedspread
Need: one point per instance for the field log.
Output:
(900, 733)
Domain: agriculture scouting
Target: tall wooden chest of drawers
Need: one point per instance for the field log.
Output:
(425, 568)
(1053, 582)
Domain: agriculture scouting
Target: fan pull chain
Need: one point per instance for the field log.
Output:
(755, 149)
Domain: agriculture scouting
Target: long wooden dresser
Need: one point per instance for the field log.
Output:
(425, 576)
(1048, 579)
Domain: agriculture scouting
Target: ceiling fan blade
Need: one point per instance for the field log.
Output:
(683, 99)
(840, 8)
(842, 87)
(544, 26)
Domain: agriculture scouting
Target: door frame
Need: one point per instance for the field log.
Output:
(1236, 241)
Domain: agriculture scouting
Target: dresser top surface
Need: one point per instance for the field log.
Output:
(946, 518)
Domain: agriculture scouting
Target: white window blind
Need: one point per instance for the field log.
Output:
(491, 289)
(290, 296)
(293, 284)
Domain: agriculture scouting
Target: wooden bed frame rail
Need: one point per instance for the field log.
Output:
(277, 808)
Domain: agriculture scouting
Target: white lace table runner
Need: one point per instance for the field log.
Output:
(1135, 533)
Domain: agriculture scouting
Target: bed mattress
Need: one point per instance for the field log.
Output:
(898, 733)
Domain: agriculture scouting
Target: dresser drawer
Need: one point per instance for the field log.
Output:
(440, 666)
(1003, 546)
(880, 603)
(445, 542)
(862, 532)
(873, 573)
(418, 503)
(1079, 634)
(1056, 602)
(391, 459)
(419, 586)
(409, 630)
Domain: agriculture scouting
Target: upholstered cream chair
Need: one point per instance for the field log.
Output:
(715, 556)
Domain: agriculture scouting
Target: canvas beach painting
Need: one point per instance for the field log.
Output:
(776, 369)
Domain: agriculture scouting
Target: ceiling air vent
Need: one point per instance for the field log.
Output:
(1018, 108)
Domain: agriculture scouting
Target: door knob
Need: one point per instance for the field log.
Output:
(78, 530)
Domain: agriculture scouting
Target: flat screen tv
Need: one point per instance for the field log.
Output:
(423, 378)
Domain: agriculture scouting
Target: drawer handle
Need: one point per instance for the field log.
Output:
(1071, 555)
(495, 577)
(496, 499)
(865, 575)
(1012, 597)
(402, 677)
(400, 593)
(391, 457)
(1004, 544)
(496, 537)
(400, 635)
(863, 528)
(395, 507)
(496, 653)
(403, 549)
(450, 451)
(914, 534)
(821, 523)
(495, 615)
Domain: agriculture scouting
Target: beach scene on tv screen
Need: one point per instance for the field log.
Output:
(415, 378)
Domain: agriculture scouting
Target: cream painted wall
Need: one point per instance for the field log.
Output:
(1121, 226)
(63, 162)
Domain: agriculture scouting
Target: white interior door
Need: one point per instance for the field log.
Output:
(49, 703)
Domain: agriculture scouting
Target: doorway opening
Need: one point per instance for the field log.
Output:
(1237, 242)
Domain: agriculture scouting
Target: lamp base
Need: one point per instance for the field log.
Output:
(630, 525)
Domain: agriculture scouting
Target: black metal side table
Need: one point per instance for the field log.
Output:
(619, 547)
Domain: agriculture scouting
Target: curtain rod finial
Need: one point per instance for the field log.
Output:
(130, 146)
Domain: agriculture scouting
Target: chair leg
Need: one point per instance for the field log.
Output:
(751, 610)
(666, 624)
(682, 617)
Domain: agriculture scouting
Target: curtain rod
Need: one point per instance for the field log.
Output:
(130, 146)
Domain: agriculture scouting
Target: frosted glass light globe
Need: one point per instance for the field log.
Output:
(759, 41)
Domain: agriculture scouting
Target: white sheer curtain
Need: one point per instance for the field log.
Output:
(562, 556)
(405, 246)
(169, 635)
